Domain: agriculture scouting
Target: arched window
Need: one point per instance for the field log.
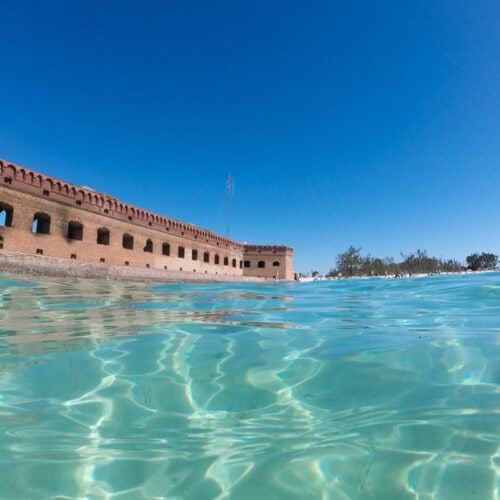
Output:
(226, 261)
(41, 223)
(261, 264)
(103, 236)
(194, 254)
(180, 252)
(206, 257)
(149, 246)
(216, 259)
(128, 241)
(276, 264)
(233, 263)
(6, 213)
(165, 249)
(75, 230)
(246, 263)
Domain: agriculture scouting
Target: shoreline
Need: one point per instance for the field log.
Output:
(406, 276)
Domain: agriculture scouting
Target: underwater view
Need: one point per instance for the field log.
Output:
(369, 388)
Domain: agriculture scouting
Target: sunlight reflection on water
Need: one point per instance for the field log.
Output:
(343, 389)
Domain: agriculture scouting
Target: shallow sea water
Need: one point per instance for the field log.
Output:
(327, 390)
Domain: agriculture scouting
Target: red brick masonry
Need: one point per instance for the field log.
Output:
(45, 217)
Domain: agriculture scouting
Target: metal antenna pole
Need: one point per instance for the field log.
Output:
(229, 196)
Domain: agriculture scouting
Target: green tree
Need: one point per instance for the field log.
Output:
(349, 263)
(378, 267)
(450, 265)
(391, 266)
(419, 262)
(367, 265)
(482, 261)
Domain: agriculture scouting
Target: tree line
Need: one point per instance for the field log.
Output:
(352, 263)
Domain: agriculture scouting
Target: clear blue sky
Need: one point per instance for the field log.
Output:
(368, 123)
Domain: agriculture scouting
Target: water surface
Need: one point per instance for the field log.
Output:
(343, 389)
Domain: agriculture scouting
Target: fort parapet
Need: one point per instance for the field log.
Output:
(44, 216)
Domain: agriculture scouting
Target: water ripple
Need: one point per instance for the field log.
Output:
(368, 389)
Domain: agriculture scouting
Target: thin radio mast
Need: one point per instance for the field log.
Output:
(229, 196)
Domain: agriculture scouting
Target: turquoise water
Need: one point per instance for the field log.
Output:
(343, 389)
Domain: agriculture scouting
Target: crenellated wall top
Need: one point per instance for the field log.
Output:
(268, 248)
(24, 179)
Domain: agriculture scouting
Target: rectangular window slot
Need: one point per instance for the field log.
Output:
(8, 180)
(39, 251)
(102, 259)
(147, 265)
(73, 255)
(165, 267)
(129, 217)
(78, 202)
(106, 211)
(45, 192)
(126, 262)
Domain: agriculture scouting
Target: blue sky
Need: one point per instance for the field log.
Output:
(373, 124)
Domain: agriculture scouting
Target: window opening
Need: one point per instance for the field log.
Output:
(128, 242)
(180, 253)
(103, 236)
(41, 223)
(261, 264)
(75, 230)
(6, 213)
(165, 249)
(194, 254)
(149, 246)
(206, 257)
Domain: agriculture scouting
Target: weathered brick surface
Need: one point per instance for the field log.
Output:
(25, 194)
(54, 266)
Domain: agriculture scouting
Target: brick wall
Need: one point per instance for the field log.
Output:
(44, 216)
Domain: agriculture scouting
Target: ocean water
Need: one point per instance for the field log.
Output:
(385, 389)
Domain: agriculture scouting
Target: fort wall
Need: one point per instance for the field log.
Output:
(44, 216)
(268, 261)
